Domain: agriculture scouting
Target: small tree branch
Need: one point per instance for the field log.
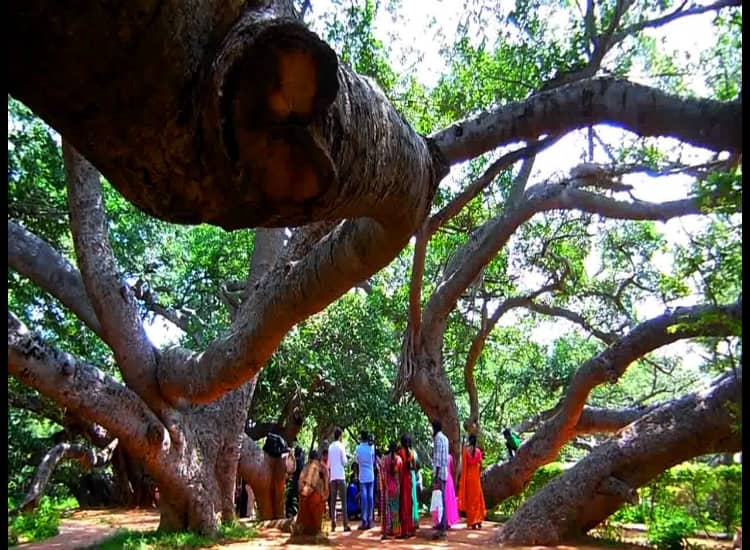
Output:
(478, 185)
(486, 240)
(678, 13)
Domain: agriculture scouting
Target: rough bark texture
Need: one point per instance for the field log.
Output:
(585, 495)
(644, 110)
(200, 124)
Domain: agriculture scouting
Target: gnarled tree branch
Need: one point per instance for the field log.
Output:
(646, 111)
(88, 457)
(110, 295)
(82, 389)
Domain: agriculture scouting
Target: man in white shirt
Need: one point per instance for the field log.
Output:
(336, 463)
(440, 469)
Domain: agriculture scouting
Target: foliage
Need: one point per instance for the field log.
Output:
(671, 528)
(41, 523)
(711, 496)
(157, 540)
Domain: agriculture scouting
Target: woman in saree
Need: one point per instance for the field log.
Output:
(390, 485)
(451, 504)
(470, 496)
(408, 528)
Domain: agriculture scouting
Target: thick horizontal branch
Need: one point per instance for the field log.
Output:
(596, 420)
(32, 257)
(82, 389)
(640, 109)
(247, 118)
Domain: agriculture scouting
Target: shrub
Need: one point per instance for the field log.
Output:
(671, 528)
(41, 523)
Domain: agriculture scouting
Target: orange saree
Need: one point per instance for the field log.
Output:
(470, 496)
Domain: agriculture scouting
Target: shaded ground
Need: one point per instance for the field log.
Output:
(87, 527)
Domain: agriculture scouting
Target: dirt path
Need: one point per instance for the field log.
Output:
(87, 527)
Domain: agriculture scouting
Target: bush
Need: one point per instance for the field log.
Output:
(711, 495)
(41, 523)
(671, 528)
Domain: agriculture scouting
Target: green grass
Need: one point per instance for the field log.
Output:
(156, 540)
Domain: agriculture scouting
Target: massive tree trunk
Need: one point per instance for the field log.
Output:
(585, 495)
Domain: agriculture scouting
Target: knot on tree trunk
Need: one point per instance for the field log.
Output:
(270, 84)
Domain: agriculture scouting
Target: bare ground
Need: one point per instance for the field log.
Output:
(87, 527)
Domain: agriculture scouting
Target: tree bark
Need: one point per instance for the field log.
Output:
(640, 109)
(583, 496)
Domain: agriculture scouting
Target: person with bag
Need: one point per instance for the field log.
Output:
(440, 472)
(451, 503)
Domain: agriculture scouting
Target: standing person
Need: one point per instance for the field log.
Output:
(313, 495)
(451, 503)
(440, 472)
(390, 479)
(336, 463)
(406, 504)
(365, 456)
(377, 493)
(292, 493)
(414, 499)
(470, 495)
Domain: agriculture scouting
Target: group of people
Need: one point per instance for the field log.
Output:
(389, 483)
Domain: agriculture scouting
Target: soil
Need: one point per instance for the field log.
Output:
(87, 527)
